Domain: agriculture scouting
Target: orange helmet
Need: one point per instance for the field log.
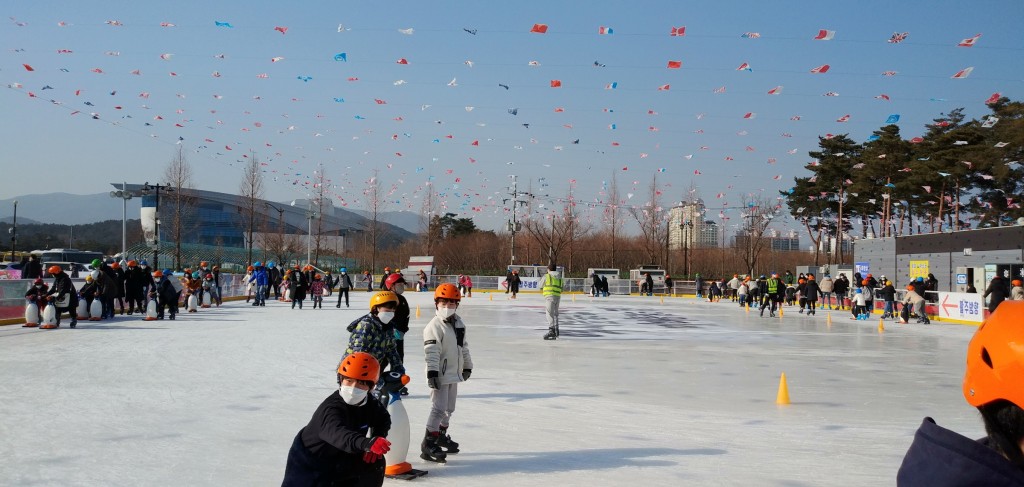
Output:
(115, 265)
(250, 268)
(910, 287)
(317, 276)
(995, 358)
(865, 282)
(447, 291)
(1016, 282)
(307, 267)
(188, 271)
(360, 366)
(204, 264)
(158, 273)
(54, 269)
(383, 297)
(132, 263)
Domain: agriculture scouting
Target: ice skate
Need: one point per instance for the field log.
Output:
(429, 450)
(551, 335)
(445, 442)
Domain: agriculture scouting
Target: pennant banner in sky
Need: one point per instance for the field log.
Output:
(825, 35)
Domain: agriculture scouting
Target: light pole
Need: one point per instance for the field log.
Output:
(310, 215)
(156, 246)
(685, 227)
(125, 195)
(280, 226)
(14, 231)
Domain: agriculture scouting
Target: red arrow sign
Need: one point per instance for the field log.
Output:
(944, 305)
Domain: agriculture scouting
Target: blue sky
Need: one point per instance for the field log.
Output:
(425, 129)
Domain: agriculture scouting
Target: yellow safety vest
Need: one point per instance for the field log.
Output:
(552, 286)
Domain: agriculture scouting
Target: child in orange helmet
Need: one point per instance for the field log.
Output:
(446, 352)
(345, 441)
(992, 384)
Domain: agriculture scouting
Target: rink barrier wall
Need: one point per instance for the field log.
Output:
(12, 292)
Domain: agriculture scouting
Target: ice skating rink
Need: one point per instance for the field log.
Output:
(636, 392)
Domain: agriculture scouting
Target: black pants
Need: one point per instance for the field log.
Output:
(343, 292)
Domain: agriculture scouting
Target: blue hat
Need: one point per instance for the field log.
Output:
(343, 269)
(270, 264)
(168, 272)
(143, 262)
(920, 279)
(860, 291)
(257, 264)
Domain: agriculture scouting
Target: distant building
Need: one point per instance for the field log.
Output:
(788, 243)
(219, 219)
(688, 228)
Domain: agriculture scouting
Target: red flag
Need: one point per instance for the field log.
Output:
(475, 142)
(994, 98)
(539, 28)
(678, 31)
(402, 61)
(664, 88)
(750, 115)
(675, 64)
(825, 35)
(968, 42)
(556, 83)
(963, 73)
(28, 68)
(821, 69)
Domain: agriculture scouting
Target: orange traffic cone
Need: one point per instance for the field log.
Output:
(782, 398)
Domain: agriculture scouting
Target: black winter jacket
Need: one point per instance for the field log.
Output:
(329, 450)
(939, 457)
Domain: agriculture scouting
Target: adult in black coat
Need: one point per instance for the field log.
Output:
(32, 269)
(345, 440)
(274, 276)
(999, 292)
(400, 323)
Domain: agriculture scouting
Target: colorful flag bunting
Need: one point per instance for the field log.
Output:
(539, 29)
(968, 42)
(821, 69)
(678, 31)
(963, 73)
(825, 35)
(675, 64)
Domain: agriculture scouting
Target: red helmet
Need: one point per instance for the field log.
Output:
(54, 269)
(393, 279)
(360, 366)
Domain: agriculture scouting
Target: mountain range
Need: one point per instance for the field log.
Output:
(78, 209)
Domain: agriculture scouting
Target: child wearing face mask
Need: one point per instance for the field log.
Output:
(346, 439)
(446, 351)
(400, 324)
(374, 334)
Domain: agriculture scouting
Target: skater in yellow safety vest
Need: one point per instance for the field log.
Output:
(552, 290)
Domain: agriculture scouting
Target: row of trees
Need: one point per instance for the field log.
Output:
(961, 174)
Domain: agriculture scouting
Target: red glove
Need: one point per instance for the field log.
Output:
(370, 457)
(380, 445)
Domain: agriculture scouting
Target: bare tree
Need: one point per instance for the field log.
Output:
(428, 223)
(251, 192)
(375, 202)
(178, 202)
(758, 214)
(611, 213)
(653, 225)
(558, 230)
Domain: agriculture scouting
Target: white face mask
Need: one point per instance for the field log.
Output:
(399, 288)
(353, 396)
(385, 316)
(445, 313)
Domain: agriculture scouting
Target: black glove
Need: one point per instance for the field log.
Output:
(466, 373)
(433, 380)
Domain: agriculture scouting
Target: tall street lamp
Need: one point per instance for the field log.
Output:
(310, 215)
(686, 227)
(280, 224)
(146, 188)
(125, 195)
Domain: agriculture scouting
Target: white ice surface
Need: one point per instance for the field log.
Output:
(636, 392)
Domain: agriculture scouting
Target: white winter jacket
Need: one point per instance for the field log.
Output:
(446, 349)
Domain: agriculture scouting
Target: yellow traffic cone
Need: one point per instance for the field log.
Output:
(783, 395)
(574, 298)
(781, 312)
(748, 308)
(881, 327)
(662, 299)
(828, 319)
(417, 311)
(490, 296)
